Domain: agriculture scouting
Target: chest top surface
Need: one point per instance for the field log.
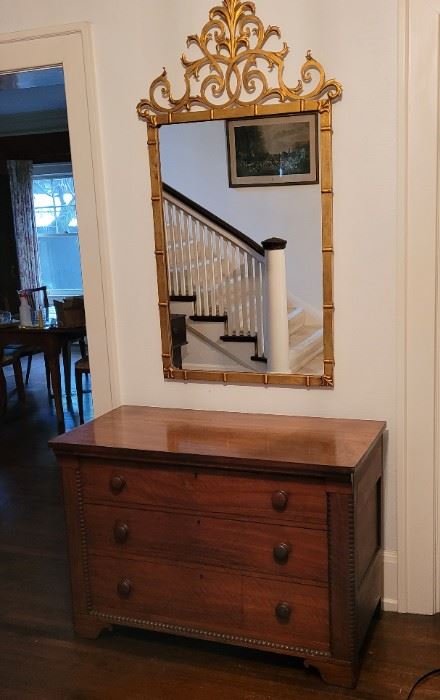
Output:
(267, 442)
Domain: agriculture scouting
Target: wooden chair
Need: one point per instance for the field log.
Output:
(15, 349)
(82, 366)
(37, 299)
(9, 357)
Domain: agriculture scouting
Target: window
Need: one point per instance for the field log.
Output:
(57, 229)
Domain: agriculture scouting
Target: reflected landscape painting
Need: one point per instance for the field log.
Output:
(273, 151)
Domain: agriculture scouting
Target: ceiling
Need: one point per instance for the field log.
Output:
(32, 101)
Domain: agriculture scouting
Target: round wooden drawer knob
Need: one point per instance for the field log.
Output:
(120, 531)
(283, 611)
(117, 484)
(281, 552)
(280, 500)
(125, 587)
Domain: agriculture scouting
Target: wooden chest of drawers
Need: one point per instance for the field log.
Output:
(259, 531)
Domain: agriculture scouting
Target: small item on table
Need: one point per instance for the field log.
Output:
(25, 311)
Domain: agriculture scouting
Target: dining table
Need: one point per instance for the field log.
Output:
(54, 341)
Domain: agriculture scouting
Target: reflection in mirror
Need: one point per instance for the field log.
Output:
(244, 264)
(240, 300)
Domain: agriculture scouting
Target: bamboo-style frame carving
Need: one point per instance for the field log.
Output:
(235, 86)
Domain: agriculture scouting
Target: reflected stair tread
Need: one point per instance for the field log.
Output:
(182, 297)
(210, 319)
(259, 358)
(239, 338)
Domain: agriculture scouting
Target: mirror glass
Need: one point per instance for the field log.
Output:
(225, 191)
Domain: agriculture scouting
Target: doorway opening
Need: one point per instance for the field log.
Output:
(70, 47)
(39, 249)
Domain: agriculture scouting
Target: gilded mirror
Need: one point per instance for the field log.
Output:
(242, 194)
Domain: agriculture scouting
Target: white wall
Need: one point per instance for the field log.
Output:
(194, 161)
(356, 41)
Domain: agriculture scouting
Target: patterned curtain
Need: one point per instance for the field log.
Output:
(20, 180)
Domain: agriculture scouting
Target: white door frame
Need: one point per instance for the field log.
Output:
(71, 47)
(418, 316)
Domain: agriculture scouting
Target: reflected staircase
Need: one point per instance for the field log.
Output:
(216, 278)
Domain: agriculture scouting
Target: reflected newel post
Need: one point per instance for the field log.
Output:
(277, 326)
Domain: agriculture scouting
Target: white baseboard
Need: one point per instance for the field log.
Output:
(389, 600)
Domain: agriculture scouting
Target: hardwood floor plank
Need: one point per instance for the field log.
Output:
(40, 657)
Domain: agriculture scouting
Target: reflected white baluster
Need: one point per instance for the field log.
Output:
(174, 243)
(213, 280)
(185, 252)
(191, 255)
(221, 291)
(170, 251)
(205, 272)
(236, 293)
(230, 289)
(180, 233)
(259, 284)
(250, 294)
(198, 276)
(245, 293)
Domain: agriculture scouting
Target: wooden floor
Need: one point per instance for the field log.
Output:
(41, 658)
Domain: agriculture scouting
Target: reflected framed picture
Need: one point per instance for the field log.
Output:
(273, 150)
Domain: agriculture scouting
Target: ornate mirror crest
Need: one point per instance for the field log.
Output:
(238, 76)
(231, 44)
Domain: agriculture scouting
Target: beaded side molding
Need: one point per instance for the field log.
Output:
(216, 636)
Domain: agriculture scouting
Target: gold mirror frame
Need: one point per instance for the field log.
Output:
(238, 38)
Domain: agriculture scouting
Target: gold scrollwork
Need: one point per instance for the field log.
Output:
(231, 43)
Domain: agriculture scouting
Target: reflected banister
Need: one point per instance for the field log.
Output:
(224, 274)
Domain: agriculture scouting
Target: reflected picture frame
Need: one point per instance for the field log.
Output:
(272, 151)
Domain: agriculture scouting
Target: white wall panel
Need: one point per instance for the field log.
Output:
(357, 43)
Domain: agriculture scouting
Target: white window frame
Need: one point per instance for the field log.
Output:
(40, 171)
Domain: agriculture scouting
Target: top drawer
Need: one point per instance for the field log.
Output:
(295, 500)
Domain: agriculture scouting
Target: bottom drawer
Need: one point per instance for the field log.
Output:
(269, 610)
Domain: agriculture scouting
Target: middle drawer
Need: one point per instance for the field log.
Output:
(270, 549)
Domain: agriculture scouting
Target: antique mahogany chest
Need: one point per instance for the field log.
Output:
(254, 530)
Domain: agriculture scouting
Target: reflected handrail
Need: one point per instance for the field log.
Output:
(222, 273)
